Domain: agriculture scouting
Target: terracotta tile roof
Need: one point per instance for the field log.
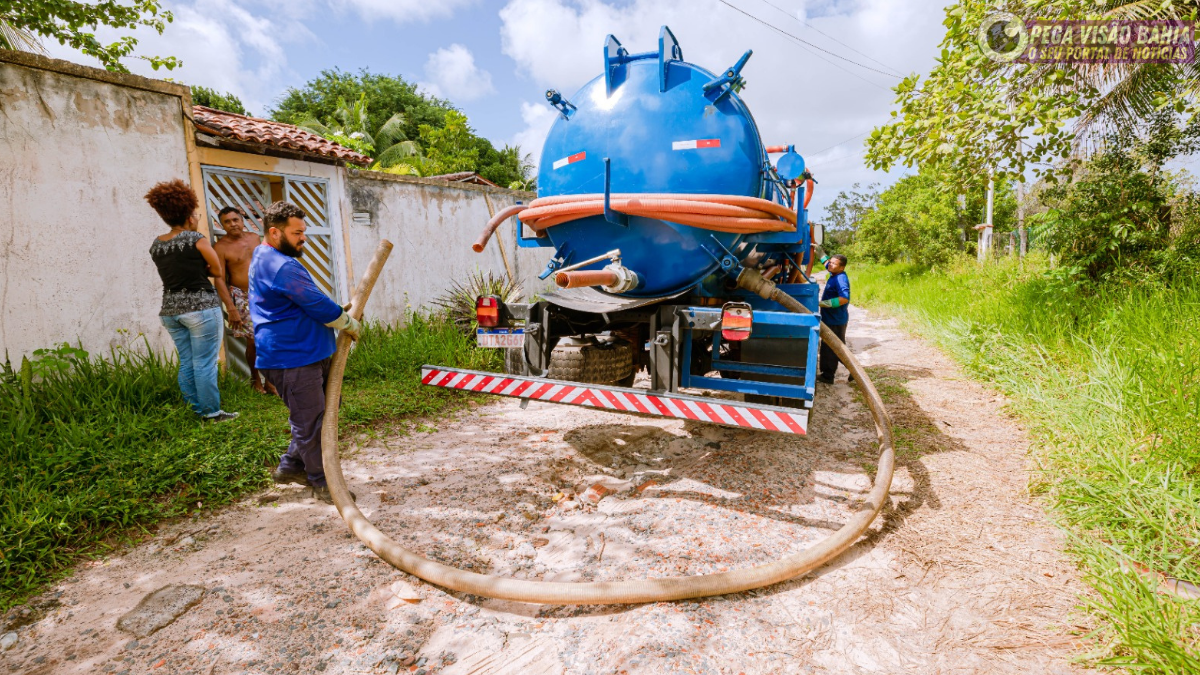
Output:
(267, 132)
(465, 177)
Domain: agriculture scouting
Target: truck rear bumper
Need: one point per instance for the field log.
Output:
(620, 399)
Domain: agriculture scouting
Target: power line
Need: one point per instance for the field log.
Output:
(806, 23)
(806, 42)
(844, 142)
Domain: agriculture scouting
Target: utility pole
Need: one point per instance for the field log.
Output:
(985, 233)
(1024, 245)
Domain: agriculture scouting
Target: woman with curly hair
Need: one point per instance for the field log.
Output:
(191, 307)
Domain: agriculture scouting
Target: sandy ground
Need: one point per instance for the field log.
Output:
(963, 574)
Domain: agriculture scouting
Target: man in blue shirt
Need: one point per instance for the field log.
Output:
(834, 313)
(293, 330)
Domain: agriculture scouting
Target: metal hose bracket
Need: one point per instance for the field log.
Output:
(609, 592)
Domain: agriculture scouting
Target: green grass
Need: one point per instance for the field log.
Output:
(96, 454)
(1109, 382)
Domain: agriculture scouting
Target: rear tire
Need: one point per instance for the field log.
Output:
(514, 361)
(593, 363)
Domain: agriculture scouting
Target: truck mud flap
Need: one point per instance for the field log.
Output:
(620, 399)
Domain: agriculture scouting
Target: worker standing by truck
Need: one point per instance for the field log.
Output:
(835, 313)
(293, 329)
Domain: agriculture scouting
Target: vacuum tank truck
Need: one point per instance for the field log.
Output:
(658, 198)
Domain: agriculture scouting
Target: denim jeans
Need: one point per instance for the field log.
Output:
(197, 337)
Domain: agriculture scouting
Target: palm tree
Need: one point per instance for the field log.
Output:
(19, 39)
(1126, 93)
(388, 145)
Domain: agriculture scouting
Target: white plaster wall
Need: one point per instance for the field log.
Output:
(76, 158)
(432, 228)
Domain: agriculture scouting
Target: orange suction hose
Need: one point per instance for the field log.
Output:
(720, 213)
(582, 278)
(494, 223)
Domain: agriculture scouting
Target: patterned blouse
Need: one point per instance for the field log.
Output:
(184, 274)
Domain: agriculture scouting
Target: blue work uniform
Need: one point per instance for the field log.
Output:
(838, 286)
(289, 313)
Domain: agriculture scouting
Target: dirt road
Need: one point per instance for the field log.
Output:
(962, 575)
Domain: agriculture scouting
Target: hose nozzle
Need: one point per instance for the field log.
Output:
(614, 278)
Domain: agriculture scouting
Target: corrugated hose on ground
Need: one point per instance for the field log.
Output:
(605, 592)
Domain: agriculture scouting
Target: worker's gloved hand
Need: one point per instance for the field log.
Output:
(347, 324)
(821, 254)
(831, 303)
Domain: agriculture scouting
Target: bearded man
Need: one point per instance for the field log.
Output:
(293, 329)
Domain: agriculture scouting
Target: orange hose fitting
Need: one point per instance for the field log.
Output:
(582, 278)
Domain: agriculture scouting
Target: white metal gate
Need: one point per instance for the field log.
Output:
(252, 192)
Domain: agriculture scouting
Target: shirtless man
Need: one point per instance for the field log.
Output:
(235, 249)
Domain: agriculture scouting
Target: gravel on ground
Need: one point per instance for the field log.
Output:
(962, 573)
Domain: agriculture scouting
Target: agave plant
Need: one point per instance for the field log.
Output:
(458, 303)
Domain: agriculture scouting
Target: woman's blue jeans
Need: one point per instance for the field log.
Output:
(197, 337)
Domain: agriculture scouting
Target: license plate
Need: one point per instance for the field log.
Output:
(500, 337)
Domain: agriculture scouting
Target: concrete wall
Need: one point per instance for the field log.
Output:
(432, 226)
(78, 150)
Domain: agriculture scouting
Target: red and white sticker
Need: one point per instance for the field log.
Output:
(619, 399)
(697, 144)
(577, 157)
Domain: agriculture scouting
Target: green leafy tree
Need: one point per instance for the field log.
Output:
(211, 98)
(391, 115)
(382, 97)
(1122, 217)
(350, 126)
(849, 206)
(70, 23)
(913, 220)
(971, 114)
(451, 148)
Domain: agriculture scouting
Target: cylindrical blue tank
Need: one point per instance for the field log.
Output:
(661, 132)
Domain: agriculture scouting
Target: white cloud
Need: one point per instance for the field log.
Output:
(795, 96)
(453, 75)
(537, 118)
(403, 11)
(222, 44)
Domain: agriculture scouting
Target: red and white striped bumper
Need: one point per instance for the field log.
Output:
(620, 399)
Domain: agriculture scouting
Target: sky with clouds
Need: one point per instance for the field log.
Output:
(495, 58)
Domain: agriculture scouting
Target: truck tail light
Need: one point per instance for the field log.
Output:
(736, 320)
(487, 311)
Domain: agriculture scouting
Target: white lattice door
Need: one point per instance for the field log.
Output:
(312, 196)
(251, 192)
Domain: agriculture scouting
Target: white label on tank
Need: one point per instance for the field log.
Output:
(697, 144)
(577, 157)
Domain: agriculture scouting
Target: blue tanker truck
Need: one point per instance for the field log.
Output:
(680, 250)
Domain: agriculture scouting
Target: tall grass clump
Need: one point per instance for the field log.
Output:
(97, 450)
(101, 448)
(1108, 377)
(383, 374)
